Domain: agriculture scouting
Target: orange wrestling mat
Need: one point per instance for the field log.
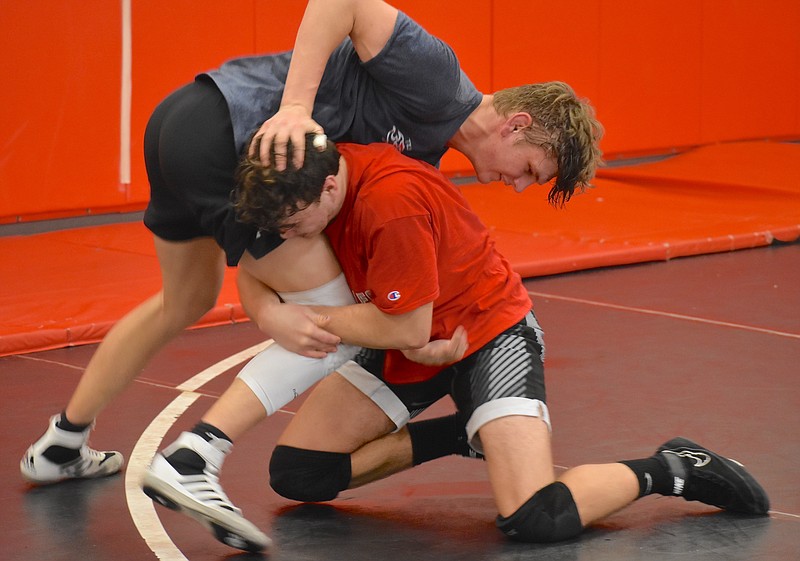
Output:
(68, 288)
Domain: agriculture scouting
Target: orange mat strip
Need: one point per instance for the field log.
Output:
(68, 288)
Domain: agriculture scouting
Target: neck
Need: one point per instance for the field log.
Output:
(476, 130)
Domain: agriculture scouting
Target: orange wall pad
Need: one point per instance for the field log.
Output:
(67, 288)
(716, 198)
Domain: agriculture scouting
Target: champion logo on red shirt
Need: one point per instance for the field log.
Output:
(394, 295)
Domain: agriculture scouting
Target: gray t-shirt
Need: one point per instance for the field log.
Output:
(413, 94)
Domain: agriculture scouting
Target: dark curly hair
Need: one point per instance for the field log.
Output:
(265, 197)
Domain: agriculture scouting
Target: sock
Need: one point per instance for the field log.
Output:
(653, 475)
(438, 437)
(207, 430)
(64, 424)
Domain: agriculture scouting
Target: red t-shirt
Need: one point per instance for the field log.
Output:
(405, 236)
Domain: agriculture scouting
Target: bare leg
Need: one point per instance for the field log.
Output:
(236, 411)
(297, 265)
(336, 417)
(359, 428)
(192, 274)
(381, 458)
(600, 489)
(519, 459)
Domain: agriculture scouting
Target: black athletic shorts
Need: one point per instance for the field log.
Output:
(191, 162)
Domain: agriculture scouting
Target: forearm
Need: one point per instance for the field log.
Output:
(367, 326)
(295, 327)
(255, 296)
(325, 24)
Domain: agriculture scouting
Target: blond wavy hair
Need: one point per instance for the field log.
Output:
(564, 125)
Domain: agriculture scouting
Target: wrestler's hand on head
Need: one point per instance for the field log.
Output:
(298, 329)
(441, 351)
(291, 122)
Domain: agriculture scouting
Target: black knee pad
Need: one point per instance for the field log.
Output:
(308, 475)
(550, 515)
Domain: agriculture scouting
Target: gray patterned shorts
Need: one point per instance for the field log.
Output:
(505, 377)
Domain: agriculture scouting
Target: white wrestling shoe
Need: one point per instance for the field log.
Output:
(61, 454)
(192, 486)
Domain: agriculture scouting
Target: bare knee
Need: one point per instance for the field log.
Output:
(202, 303)
(192, 274)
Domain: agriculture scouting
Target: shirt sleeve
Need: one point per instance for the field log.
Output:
(413, 57)
(401, 264)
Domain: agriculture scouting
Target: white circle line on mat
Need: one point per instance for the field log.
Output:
(140, 506)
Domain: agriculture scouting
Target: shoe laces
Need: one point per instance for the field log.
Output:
(90, 454)
(87, 460)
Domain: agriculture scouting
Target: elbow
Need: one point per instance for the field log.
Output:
(416, 338)
(415, 328)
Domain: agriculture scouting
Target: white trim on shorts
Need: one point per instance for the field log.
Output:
(380, 394)
(504, 407)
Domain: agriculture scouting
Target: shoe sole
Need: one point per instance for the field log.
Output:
(758, 497)
(235, 532)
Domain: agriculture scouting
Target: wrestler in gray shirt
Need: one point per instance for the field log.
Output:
(413, 94)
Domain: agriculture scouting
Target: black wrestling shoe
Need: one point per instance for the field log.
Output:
(701, 475)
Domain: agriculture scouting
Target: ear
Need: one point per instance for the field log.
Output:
(330, 186)
(515, 123)
(329, 183)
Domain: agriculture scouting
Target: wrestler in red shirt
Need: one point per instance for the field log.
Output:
(405, 236)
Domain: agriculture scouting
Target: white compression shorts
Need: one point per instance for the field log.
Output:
(277, 376)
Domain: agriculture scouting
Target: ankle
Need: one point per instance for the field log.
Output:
(653, 475)
(208, 432)
(65, 424)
